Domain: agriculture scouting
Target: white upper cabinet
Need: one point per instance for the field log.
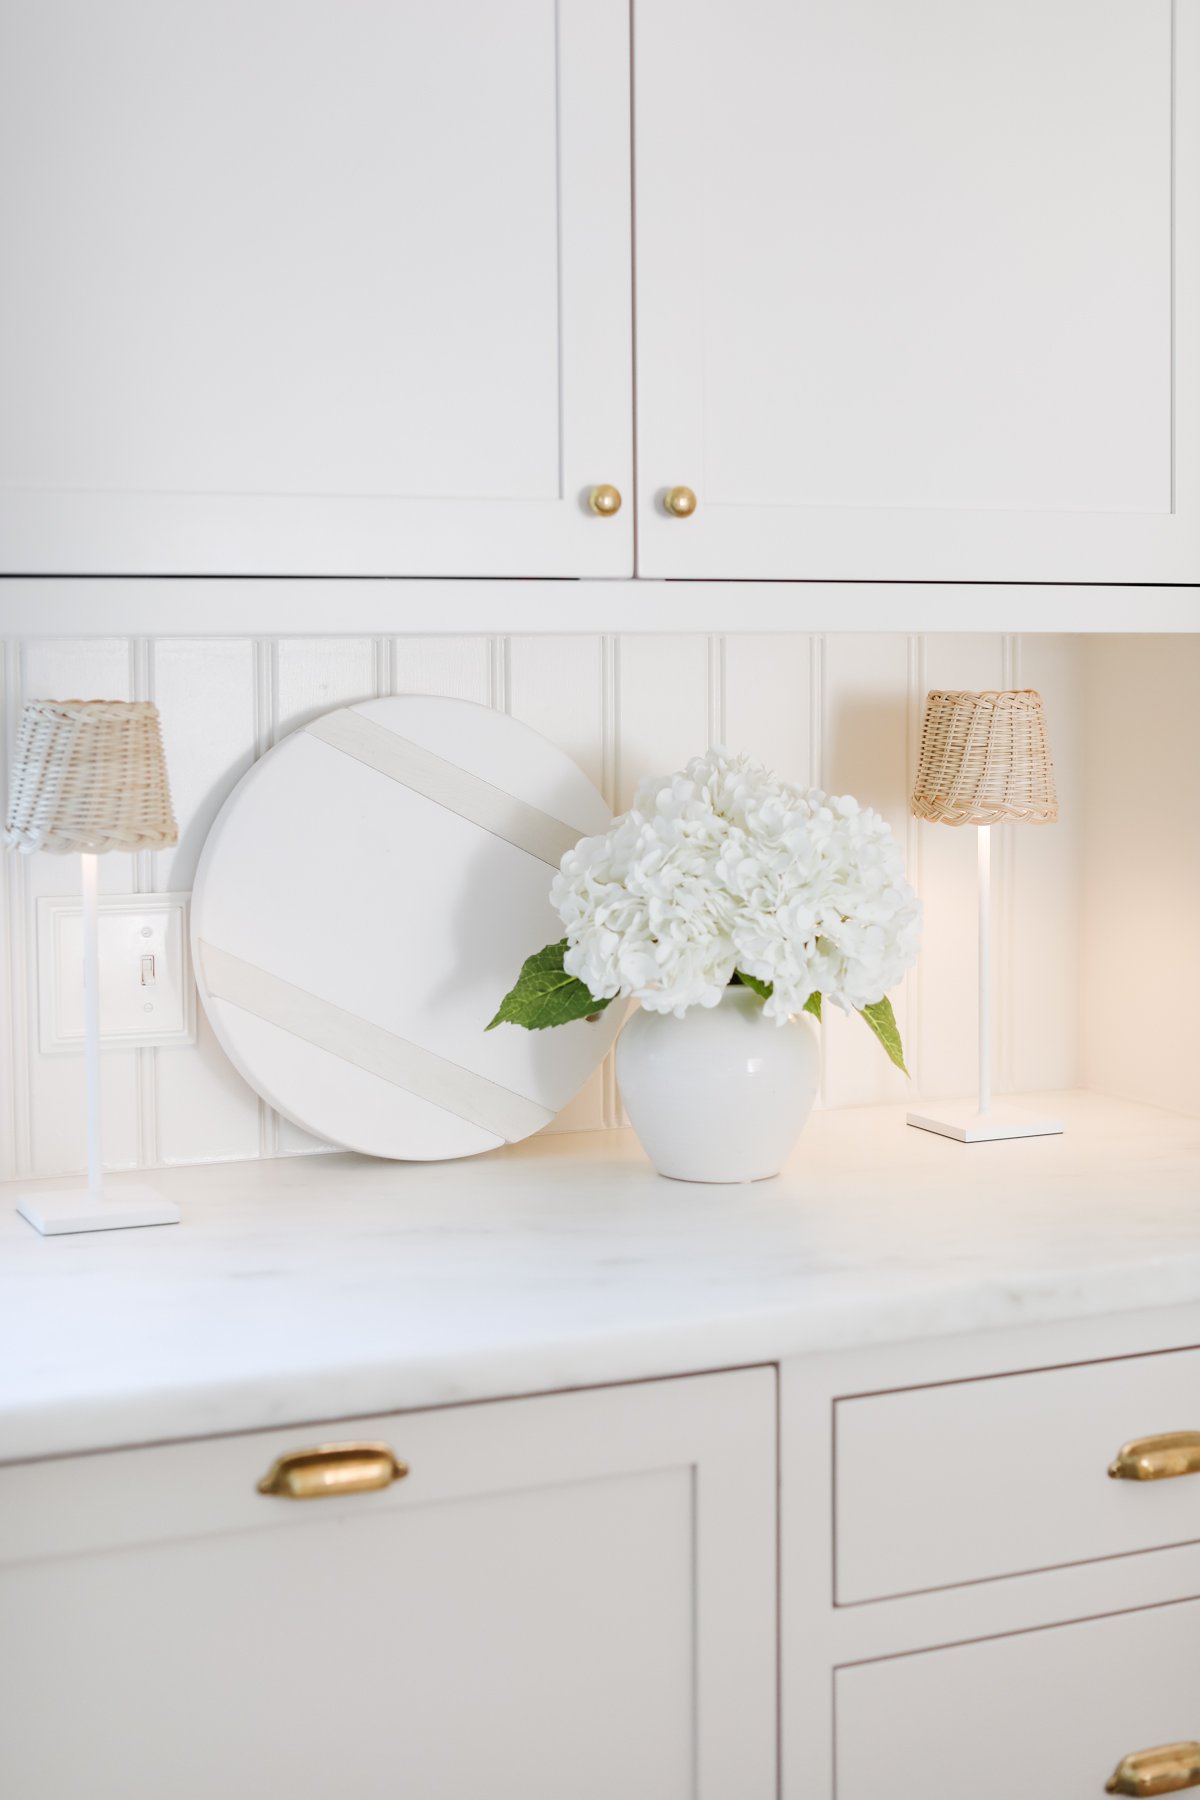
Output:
(297, 286)
(918, 288)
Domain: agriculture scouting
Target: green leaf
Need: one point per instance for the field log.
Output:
(544, 994)
(882, 1021)
(813, 1005)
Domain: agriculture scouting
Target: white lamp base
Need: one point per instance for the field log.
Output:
(60, 1210)
(967, 1126)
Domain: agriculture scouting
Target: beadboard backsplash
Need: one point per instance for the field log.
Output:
(837, 711)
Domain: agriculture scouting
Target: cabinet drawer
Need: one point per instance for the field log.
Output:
(573, 1594)
(936, 1486)
(1046, 1715)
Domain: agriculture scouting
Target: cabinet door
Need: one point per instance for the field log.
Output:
(296, 286)
(1046, 1715)
(918, 288)
(569, 1596)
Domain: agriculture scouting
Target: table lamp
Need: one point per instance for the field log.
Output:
(985, 760)
(89, 776)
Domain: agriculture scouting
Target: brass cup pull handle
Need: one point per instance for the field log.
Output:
(605, 500)
(1164, 1770)
(1158, 1458)
(331, 1469)
(680, 502)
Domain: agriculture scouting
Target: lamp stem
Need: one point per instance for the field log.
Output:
(985, 970)
(91, 1023)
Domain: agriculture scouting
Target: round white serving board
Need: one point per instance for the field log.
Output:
(397, 911)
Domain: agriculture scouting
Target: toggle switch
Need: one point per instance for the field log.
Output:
(147, 995)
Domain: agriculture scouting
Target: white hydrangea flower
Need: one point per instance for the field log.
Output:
(722, 867)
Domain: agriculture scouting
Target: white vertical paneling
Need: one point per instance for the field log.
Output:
(865, 753)
(1141, 870)
(816, 709)
(767, 701)
(459, 667)
(313, 675)
(204, 689)
(865, 735)
(206, 693)
(840, 711)
(1040, 896)
(84, 669)
(947, 971)
(664, 707)
(556, 684)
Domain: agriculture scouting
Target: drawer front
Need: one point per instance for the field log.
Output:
(570, 1595)
(937, 1486)
(1046, 1715)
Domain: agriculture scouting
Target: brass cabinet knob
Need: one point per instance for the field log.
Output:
(1164, 1770)
(1157, 1458)
(605, 500)
(680, 502)
(332, 1469)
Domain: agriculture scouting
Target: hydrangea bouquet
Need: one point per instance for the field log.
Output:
(721, 874)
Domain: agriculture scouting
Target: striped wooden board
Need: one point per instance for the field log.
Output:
(365, 898)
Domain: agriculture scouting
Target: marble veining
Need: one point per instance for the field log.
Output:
(319, 1288)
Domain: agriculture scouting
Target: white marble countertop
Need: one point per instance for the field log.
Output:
(328, 1286)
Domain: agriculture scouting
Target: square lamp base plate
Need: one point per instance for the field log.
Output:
(967, 1126)
(57, 1211)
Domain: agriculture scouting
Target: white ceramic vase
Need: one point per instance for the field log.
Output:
(721, 1094)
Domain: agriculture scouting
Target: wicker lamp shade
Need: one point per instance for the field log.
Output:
(985, 759)
(89, 776)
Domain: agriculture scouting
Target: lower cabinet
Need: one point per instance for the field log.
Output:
(581, 1595)
(1048, 1715)
(564, 1598)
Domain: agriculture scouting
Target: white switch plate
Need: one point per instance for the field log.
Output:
(141, 1005)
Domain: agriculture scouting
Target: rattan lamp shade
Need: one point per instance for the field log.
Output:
(985, 759)
(90, 776)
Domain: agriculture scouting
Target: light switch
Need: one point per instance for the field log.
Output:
(147, 996)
